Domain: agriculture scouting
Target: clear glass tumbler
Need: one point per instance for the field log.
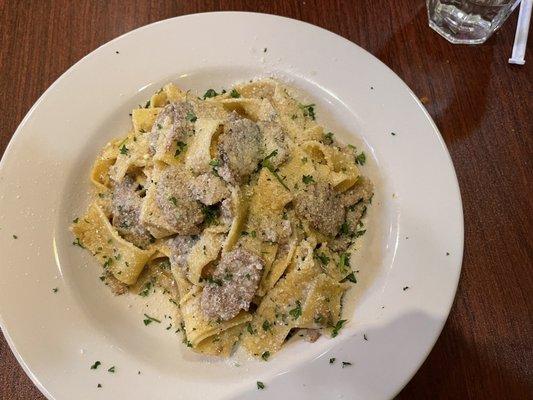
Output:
(468, 21)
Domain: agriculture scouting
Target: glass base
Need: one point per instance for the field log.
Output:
(452, 37)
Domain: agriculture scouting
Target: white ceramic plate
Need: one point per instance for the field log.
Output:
(414, 240)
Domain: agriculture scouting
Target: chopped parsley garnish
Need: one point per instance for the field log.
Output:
(180, 146)
(215, 162)
(16, 237)
(253, 234)
(296, 311)
(351, 277)
(338, 326)
(307, 179)
(250, 329)
(265, 50)
(393, 133)
(173, 200)
(75, 220)
(211, 213)
(124, 150)
(148, 320)
(328, 137)
(191, 117)
(235, 94)
(345, 228)
(324, 259)
(359, 233)
(364, 336)
(112, 369)
(75, 243)
(265, 355)
(331, 360)
(308, 110)
(213, 281)
(260, 385)
(360, 158)
(266, 325)
(96, 365)
(405, 288)
(146, 289)
(210, 93)
(268, 165)
(346, 364)
(147, 104)
(99, 385)
(344, 261)
(55, 290)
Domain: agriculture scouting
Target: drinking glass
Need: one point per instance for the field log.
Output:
(468, 21)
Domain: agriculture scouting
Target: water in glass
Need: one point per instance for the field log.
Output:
(468, 21)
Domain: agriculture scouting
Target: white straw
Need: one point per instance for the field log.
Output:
(522, 30)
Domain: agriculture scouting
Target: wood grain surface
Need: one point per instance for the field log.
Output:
(482, 105)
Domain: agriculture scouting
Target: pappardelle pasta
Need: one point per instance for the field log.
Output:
(239, 205)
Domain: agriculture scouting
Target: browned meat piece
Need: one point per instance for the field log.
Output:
(116, 287)
(320, 205)
(312, 335)
(361, 191)
(209, 189)
(274, 140)
(239, 149)
(125, 209)
(180, 248)
(174, 122)
(177, 204)
(232, 286)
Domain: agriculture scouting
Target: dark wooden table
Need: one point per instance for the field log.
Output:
(481, 104)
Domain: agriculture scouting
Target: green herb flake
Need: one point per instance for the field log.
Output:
(210, 93)
(180, 147)
(215, 162)
(234, 94)
(360, 159)
(146, 289)
(250, 329)
(211, 214)
(268, 165)
(75, 220)
(328, 137)
(324, 259)
(124, 150)
(55, 290)
(191, 117)
(296, 311)
(331, 360)
(15, 237)
(308, 110)
(75, 243)
(96, 365)
(266, 325)
(173, 200)
(346, 364)
(112, 369)
(148, 320)
(344, 261)
(147, 104)
(364, 337)
(338, 326)
(260, 385)
(99, 385)
(307, 179)
(265, 355)
(351, 277)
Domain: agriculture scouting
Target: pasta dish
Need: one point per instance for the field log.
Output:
(239, 206)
